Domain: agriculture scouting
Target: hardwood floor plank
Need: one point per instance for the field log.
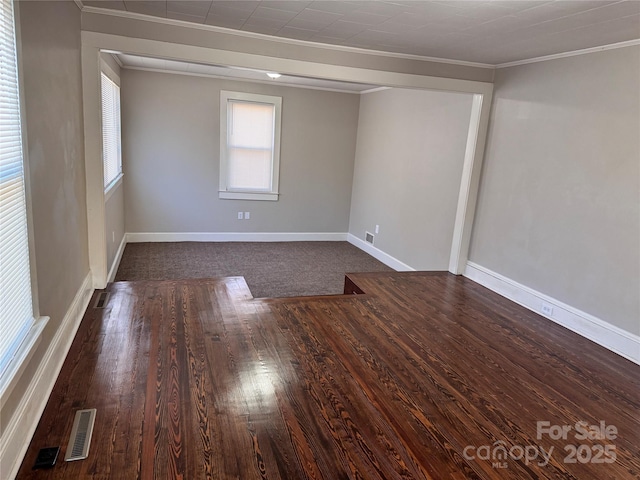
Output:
(560, 397)
(195, 379)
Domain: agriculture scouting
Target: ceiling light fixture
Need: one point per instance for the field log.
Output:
(273, 75)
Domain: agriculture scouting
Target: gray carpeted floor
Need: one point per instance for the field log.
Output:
(271, 269)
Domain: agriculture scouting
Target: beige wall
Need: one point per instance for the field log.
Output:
(409, 157)
(50, 41)
(171, 151)
(559, 204)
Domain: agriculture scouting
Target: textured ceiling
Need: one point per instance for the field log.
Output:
(490, 32)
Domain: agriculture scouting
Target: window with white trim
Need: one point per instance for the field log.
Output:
(249, 145)
(19, 332)
(111, 136)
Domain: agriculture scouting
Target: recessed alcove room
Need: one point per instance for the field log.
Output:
(320, 239)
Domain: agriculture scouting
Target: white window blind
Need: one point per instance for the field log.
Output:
(249, 145)
(16, 307)
(111, 144)
(250, 141)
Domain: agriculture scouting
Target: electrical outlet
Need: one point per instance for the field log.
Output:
(547, 309)
(239, 215)
(377, 229)
(247, 215)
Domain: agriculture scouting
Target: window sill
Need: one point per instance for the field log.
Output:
(112, 187)
(16, 366)
(269, 196)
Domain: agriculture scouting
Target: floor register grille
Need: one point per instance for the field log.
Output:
(80, 440)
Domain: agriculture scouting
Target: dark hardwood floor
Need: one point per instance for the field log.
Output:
(424, 376)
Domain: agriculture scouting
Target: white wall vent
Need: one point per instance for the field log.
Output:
(102, 300)
(78, 447)
(368, 237)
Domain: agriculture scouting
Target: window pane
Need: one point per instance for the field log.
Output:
(111, 149)
(251, 125)
(249, 169)
(249, 145)
(16, 307)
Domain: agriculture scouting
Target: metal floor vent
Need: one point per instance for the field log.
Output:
(78, 447)
(102, 300)
(368, 237)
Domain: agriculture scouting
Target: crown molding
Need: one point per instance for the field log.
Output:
(79, 4)
(290, 41)
(574, 53)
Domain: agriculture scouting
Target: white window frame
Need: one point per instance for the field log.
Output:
(14, 369)
(108, 72)
(225, 192)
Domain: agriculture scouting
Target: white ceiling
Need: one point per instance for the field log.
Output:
(489, 32)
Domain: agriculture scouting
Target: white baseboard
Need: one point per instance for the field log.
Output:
(625, 344)
(378, 254)
(17, 435)
(135, 237)
(116, 261)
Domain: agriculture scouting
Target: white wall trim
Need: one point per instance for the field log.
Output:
(113, 187)
(236, 79)
(374, 90)
(469, 182)
(625, 344)
(25, 165)
(116, 260)
(136, 237)
(584, 51)
(284, 40)
(378, 254)
(285, 66)
(94, 168)
(17, 435)
(12, 374)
